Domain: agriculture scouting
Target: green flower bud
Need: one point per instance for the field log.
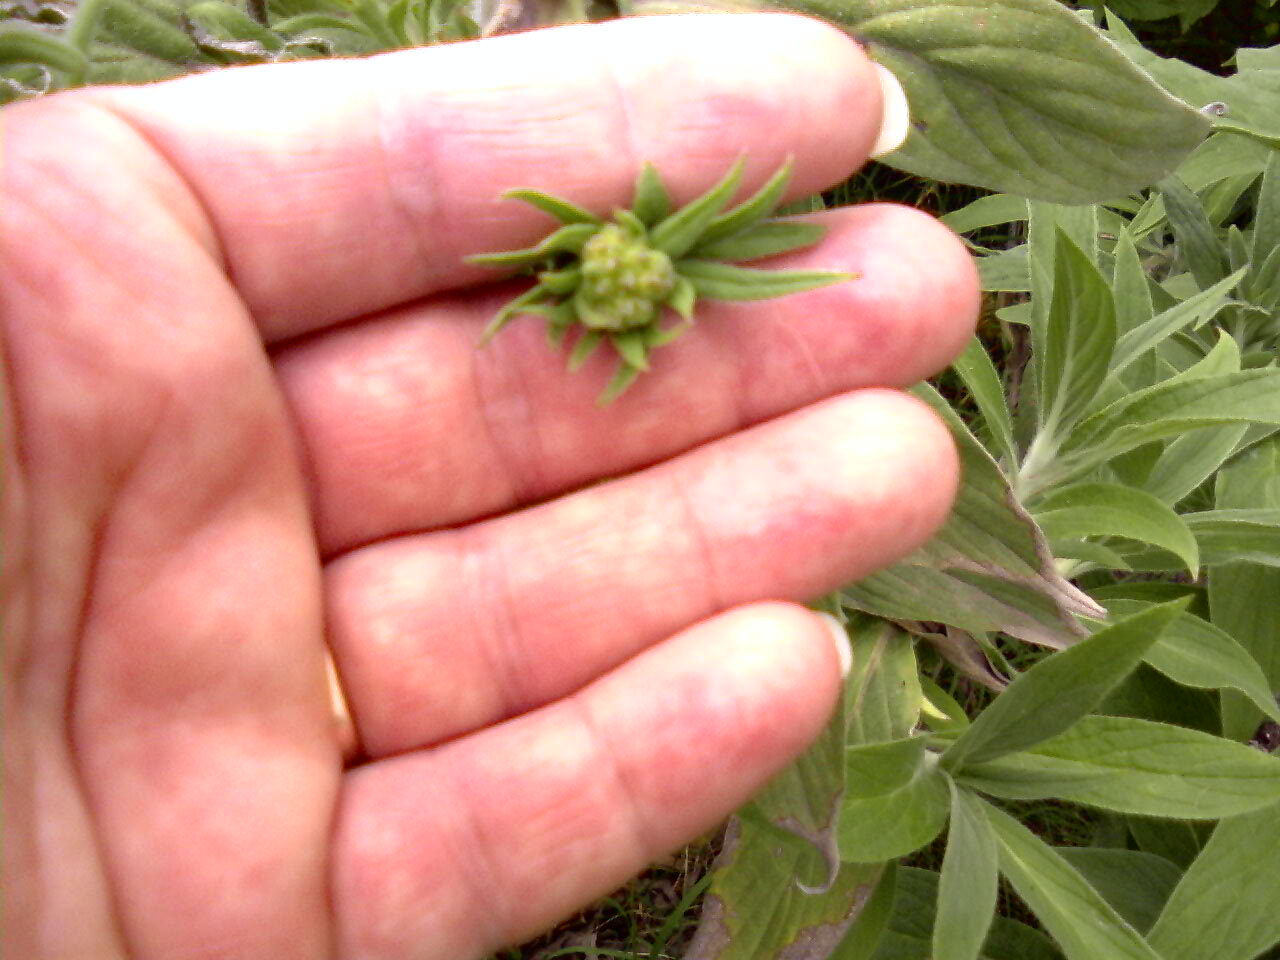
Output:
(628, 281)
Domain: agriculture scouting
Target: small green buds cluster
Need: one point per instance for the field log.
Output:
(624, 280)
(616, 280)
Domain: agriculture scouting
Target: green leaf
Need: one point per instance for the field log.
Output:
(1136, 767)
(1079, 339)
(989, 568)
(1177, 841)
(1074, 913)
(898, 822)
(1109, 509)
(723, 281)
(569, 239)
(683, 296)
(583, 349)
(1265, 238)
(632, 347)
(883, 682)
(1022, 97)
(1193, 311)
(1251, 107)
(622, 379)
(20, 44)
(137, 28)
(564, 211)
(979, 374)
(1190, 459)
(1238, 535)
(805, 798)
(967, 889)
(652, 203)
(751, 211)
(306, 22)
(1131, 293)
(879, 768)
(1251, 479)
(513, 308)
(1008, 271)
(1168, 409)
(1197, 244)
(1197, 653)
(953, 719)
(766, 239)
(910, 932)
(678, 233)
(863, 938)
(1136, 884)
(753, 909)
(1059, 690)
(1227, 896)
(991, 211)
(1086, 550)
(226, 22)
(973, 602)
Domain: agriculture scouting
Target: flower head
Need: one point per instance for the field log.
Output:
(617, 279)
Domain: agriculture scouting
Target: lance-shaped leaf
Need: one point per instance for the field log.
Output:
(724, 281)
(1136, 767)
(1197, 653)
(1074, 913)
(750, 212)
(989, 567)
(1059, 690)
(1223, 536)
(1198, 244)
(1007, 271)
(564, 211)
(569, 238)
(1134, 882)
(1079, 338)
(979, 374)
(1227, 896)
(1131, 292)
(1193, 311)
(20, 44)
(910, 932)
(1110, 509)
(1019, 96)
(766, 239)
(754, 910)
(678, 233)
(1166, 410)
(992, 211)
(967, 890)
(1188, 460)
(1251, 479)
(233, 26)
(652, 202)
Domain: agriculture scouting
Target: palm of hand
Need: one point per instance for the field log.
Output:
(250, 425)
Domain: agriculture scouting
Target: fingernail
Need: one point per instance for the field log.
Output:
(897, 114)
(841, 640)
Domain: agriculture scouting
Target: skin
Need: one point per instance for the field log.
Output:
(246, 422)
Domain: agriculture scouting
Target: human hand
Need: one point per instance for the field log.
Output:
(247, 423)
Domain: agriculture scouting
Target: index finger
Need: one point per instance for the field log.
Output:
(338, 188)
